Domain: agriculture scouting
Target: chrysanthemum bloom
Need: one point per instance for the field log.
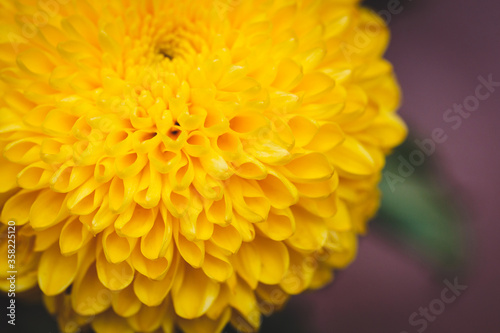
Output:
(188, 163)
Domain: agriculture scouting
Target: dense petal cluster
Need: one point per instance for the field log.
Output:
(188, 163)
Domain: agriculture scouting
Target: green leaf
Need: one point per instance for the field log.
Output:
(419, 212)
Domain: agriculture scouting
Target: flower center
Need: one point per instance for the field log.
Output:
(177, 44)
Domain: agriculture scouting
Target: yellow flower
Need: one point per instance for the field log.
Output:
(188, 163)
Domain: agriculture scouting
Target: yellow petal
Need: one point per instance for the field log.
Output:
(216, 166)
(248, 317)
(153, 292)
(279, 190)
(300, 272)
(289, 75)
(67, 178)
(192, 251)
(148, 319)
(248, 122)
(251, 168)
(86, 198)
(150, 188)
(121, 193)
(56, 151)
(48, 209)
(318, 190)
(216, 265)
(125, 302)
(197, 144)
(274, 260)
(9, 175)
(227, 238)
(248, 264)
(47, 237)
(352, 158)
(205, 324)
(35, 61)
(34, 176)
(104, 170)
(154, 245)
(154, 269)
(204, 228)
(249, 200)
(303, 129)
(220, 211)
(342, 219)
(130, 165)
(310, 233)
(117, 248)
(309, 167)
(119, 142)
(53, 261)
(18, 206)
(279, 225)
(102, 219)
(114, 276)
(328, 137)
(135, 222)
(322, 207)
(89, 296)
(109, 322)
(341, 247)
(311, 59)
(315, 85)
(59, 122)
(24, 151)
(245, 228)
(194, 293)
(389, 130)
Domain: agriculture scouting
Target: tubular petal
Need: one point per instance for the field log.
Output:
(154, 245)
(8, 176)
(117, 248)
(148, 319)
(248, 318)
(135, 222)
(193, 252)
(355, 159)
(310, 233)
(111, 323)
(279, 190)
(274, 260)
(52, 261)
(89, 296)
(114, 276)
(279, 226)
(227, 238)
(154, 269)
(48, 209)
(205, 324)
(47, 237)
(248, 264)
(125, 302)
(310, 167)
(216, 265)
(153, 292)
(194, 294)
(18, 206)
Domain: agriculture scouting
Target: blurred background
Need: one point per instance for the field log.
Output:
(442, 222)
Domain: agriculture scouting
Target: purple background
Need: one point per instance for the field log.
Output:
(438, 48)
